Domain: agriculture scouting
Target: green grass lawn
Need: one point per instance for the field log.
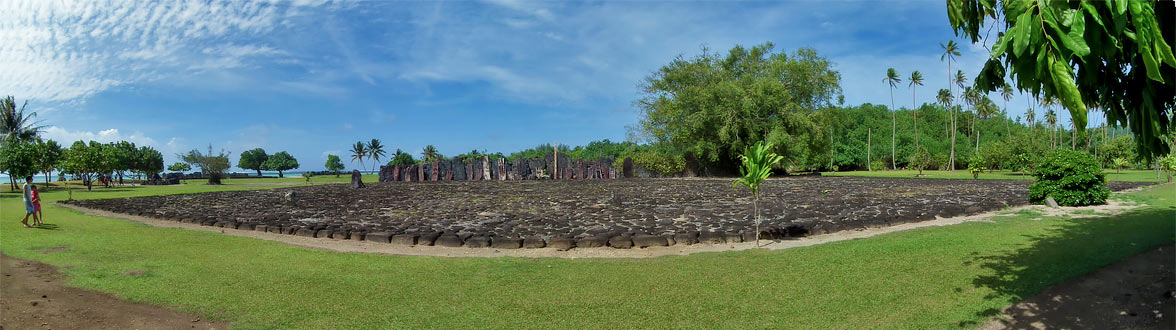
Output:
(1125, 175)
(943, 277)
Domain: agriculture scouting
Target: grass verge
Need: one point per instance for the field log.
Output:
(943, 277)
(1125, 175)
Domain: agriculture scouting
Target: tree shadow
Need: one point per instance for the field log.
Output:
(1070, 249)
(46, 226)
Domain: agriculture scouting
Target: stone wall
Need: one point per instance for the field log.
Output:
(501, 169)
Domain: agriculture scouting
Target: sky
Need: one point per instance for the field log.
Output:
(311, 77)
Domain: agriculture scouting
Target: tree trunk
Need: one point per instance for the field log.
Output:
(915, 112)
(280, 175)
(869, 134)
(893, 130)
(755, 204)
(951, 161)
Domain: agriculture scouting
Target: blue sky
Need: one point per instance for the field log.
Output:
(313, 77)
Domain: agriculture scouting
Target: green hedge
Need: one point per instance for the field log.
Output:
(1072, 178)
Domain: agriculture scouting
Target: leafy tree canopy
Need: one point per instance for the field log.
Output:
(1113, 55)
(334, 164)
(714, 106)
(253, 160)
(281, 161)
(179, 167)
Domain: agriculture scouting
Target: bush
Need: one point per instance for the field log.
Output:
(1072, 178)
(977, 164)
(878, 165)
(663, 163)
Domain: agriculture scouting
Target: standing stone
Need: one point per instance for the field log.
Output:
(485, 168)
(420, 172)
(356, 179)
(396, 173)
(627, 167)
(469, 172)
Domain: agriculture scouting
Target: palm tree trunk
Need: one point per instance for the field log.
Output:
(915, 112)
(893, 129)
(869, 134)
(951, 161)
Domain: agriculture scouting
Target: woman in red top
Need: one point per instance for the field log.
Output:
(36, 206)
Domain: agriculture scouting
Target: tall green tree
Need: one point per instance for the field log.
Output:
(430, 154)
(1006, 93)
(893, 80)
(712, 106)
(179, 167)
(48, 157)
(15, 123)
(334, 164)
(375, 151)
(358, 152)
(401, 158)
(1113, 55)
(950, 51)
(915, 80)
(281, 162)
(212, 165)
(18, 157)
(253, 160)
(959, 80)
(150, 161)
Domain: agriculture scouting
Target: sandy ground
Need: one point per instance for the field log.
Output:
(1135, 293)
(1112, 207)
(33, 296)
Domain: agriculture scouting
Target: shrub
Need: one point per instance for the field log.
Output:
(977, 164)
(921, 160)
(663, 163)
(878, 165)
(1072, 178)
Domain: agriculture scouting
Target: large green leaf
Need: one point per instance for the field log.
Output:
(1067, 92)
(1023, 30)
(1075, 40)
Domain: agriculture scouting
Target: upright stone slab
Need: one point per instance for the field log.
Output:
(356, 179)
(501, 169)
(627, 167)
(485, 168)
(469, 167)
(420, 173)
(436, 171)
(396, 173)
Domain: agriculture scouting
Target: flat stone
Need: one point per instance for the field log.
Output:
(592, 242)
(339, 234)
(245, 226)
(304, 232)
(733, 237)
(478, 242)
(621, 242)
(275, 229)
(710, 237)
(356, 235)
(323, 233)
(534, 243)
(382, 237)
(686, 238)
(290, 230)
(561, 243)
(427, 239)
(448, 241)
(404, 239)
(506, 243)
(1051, 202)
(644, 241)
(260, 228)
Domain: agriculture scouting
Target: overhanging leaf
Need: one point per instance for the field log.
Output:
(1067, 92)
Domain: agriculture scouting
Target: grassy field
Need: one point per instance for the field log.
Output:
(1125, 175)
(944, 277)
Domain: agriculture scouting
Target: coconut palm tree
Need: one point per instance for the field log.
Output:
(430, 154)
(892, 79)
(944, 98)
(358, 152)
(960, 80)
(375, 150)
(1006, 93)
(15, 123)
(1051, 120)
(915, 80)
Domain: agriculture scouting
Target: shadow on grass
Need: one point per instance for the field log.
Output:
(1069, 249)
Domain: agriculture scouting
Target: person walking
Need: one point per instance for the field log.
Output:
(37, 217)
(27, 196)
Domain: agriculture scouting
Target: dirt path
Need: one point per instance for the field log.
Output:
(32, 296)
(1112, 207)
(1135, 293)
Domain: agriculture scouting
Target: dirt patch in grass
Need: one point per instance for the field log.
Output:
(1136, 293)
(33, 296)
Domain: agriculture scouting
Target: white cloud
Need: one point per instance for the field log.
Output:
(66, 51)
(66, 137)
